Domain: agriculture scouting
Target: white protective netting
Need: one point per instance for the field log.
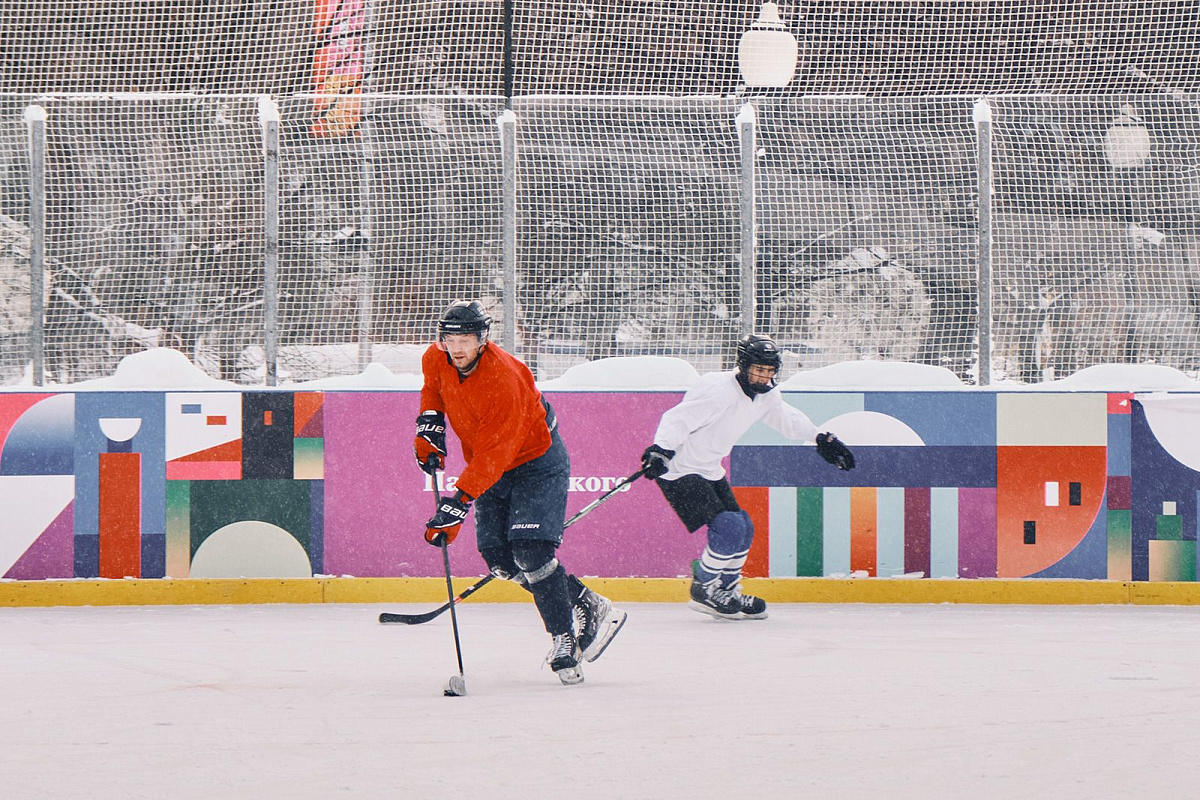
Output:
(1097, 233)
(15, 320)
(867, 237)
(422, 183)
(627, 194)
(153, 231)
(628, 235)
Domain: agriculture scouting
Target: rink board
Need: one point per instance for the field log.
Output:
(432, 591)
(187, 487)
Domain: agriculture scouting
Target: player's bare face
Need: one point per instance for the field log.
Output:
(760, 374)
(463, 348)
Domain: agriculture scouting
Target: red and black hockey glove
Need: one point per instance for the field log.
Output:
(830, 448)
(655, 461)
(445, 524)
(430, 444)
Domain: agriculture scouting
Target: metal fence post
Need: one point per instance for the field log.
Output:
(268, 119)
(35, 120)
(508, 154)
(983, 125)
(366, 179)
(746, 120)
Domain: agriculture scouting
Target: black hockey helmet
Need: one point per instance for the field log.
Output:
(755, 349)
(465, 316)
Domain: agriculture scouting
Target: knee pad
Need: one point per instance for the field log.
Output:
(500, 563)
(730, 532)
(535, 559)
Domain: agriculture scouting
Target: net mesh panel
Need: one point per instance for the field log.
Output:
(866, 230)
(381, 230)
(153, 232)
(14, 242)
(1096, 220)
(628, 185)
(628, 236)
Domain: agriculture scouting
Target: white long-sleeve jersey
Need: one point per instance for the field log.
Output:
(713, 415)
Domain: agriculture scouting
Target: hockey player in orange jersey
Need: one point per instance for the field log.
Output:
(517, 473)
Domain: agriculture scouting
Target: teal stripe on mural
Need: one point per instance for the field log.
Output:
(179, 521)
(943, 533)
(1169, 527)
(1120, 545)
(810, 522)
(836, 523)
(781, 500)
(889, 531)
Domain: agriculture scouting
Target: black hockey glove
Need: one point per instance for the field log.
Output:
(833, 451)
(430, 444)
(445, 524)
(655, 461)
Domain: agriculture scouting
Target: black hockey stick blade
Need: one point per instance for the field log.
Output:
(417, 619)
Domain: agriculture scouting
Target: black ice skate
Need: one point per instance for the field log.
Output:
(709, 598)
(596, 623)
(564, 659)
(751, 607)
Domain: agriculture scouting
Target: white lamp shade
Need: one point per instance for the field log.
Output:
(767, 52)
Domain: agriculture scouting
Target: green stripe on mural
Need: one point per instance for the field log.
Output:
(810, 554)
(179, 553)
(1120, 545)
(1169, 527)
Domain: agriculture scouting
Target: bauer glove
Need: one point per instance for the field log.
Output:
(445, 524)
(430, 444)
(655, 461)
(833, 451)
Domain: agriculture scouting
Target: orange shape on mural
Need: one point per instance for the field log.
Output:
(1021, 477)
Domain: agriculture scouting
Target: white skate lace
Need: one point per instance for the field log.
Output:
(564, 645)
(724, 596)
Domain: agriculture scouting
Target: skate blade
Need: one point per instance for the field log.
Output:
(570, 676)
(612, 624)
(763, 615)
(712, 612)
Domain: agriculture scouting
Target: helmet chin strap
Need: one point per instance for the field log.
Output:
(751, 390)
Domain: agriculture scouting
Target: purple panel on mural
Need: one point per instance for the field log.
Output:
(52, 555)
(1119, 492)
(976, 533)
(371, 477)
(634, 533)
(376, 503)
(916, 531)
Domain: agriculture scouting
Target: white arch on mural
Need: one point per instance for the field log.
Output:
(251, 549)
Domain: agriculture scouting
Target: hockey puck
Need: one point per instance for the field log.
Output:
(455, 687)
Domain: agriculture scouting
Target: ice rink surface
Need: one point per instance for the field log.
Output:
(321, 701)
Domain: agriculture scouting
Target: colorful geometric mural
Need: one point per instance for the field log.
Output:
(37, 485)
(279, 484)
(1027, 484)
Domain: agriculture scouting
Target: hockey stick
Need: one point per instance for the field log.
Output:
(453, 688)
(417, 619)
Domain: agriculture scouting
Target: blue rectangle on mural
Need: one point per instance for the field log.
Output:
(87, 555)
(756, 465)
(189, 408)
(154, 555)
(1118, 444)
(941, 418)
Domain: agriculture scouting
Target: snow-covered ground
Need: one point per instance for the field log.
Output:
(817, 701)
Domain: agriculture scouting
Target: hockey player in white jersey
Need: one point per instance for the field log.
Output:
(685, 460)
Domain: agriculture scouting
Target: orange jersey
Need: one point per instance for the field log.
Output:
(497, 413)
